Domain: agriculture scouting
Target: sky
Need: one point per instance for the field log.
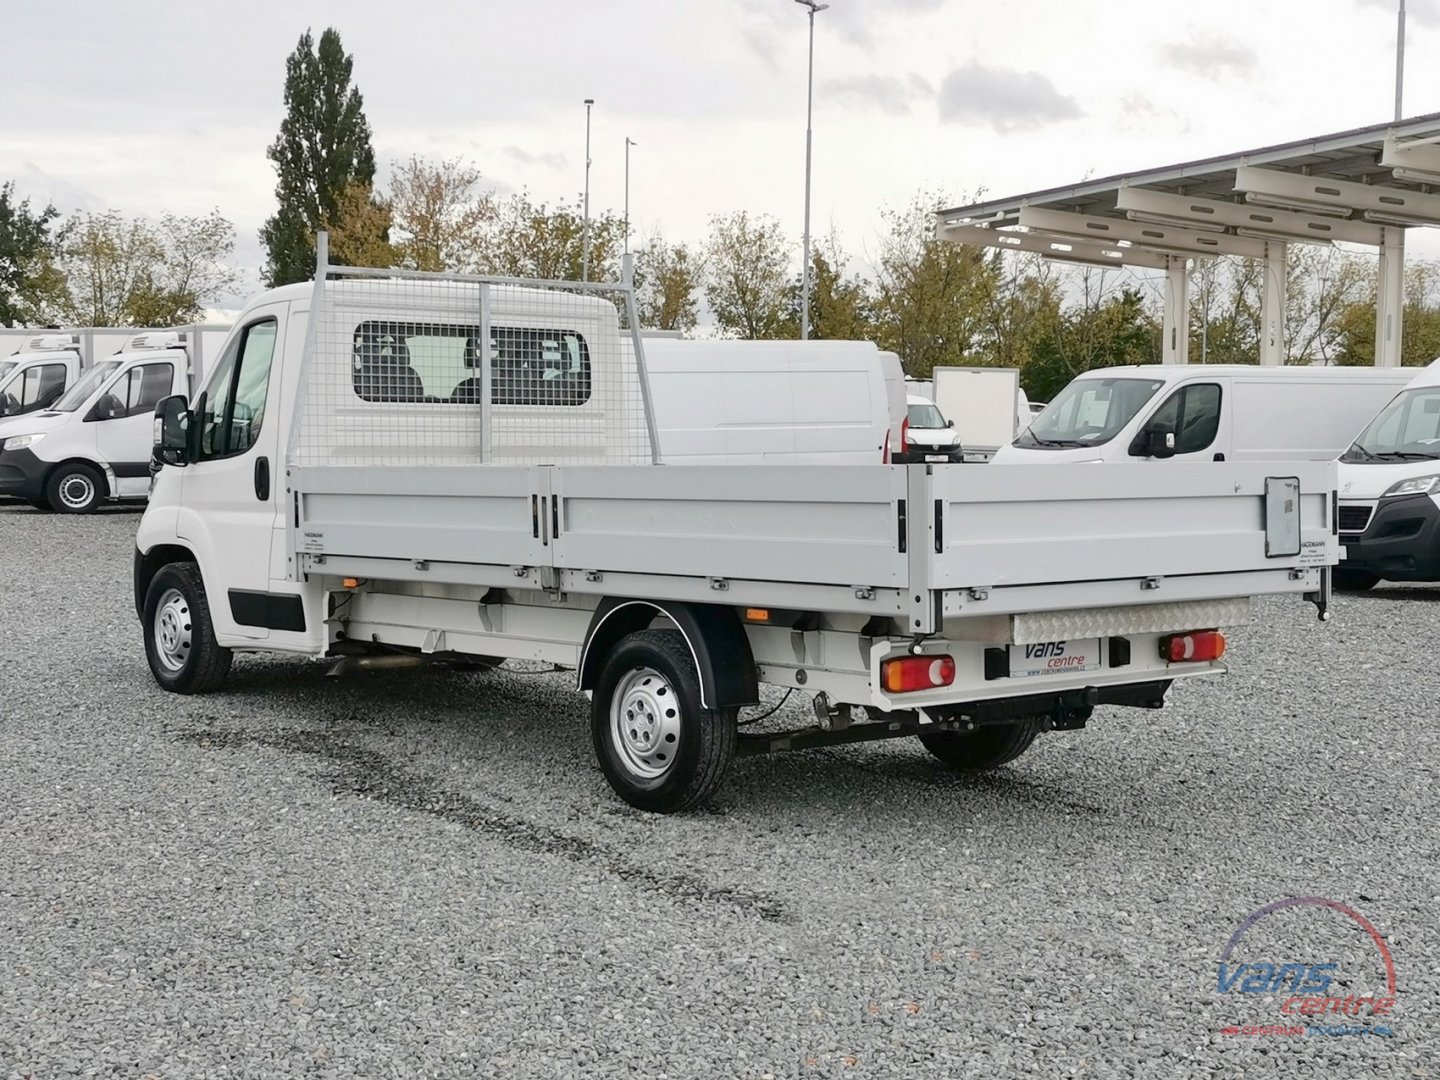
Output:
(157, 105)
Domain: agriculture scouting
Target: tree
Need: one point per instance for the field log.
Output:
(359, 229)
(1103, 329)
(668, 278)
(842, 307)
(746, 283)
(533, 240)
(441, 216)
(132, 272)
(30, 285)
(1420, 332)
(322, 149)
(931, 301)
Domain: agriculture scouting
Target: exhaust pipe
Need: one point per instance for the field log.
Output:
(382, 662)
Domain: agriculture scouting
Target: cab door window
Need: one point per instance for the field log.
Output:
(42, 387)
(137, 392)
(1192, 413)
(235, 399)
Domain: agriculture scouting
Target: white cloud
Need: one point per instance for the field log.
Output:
(1211, 56)
(891, 94)
(1003, 98)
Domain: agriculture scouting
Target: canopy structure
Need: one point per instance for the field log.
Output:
(1365, 186)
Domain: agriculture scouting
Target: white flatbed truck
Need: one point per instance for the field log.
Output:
(520, 515)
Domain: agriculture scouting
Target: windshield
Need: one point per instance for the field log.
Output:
(76, 395)
(6, 366)
(925, 416)
(1088, 412)
(1408, 429)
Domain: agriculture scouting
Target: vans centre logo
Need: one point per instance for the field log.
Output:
(1323, 975)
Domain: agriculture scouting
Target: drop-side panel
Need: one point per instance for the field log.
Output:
(834, 524)
(1032, 524)
(472, 514)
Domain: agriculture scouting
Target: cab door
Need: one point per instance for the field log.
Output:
(1196, 412)
(123, 416)
(228, 500)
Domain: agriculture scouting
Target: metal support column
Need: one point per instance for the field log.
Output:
(1390, 297)
(1175, 344)
(1272, 306)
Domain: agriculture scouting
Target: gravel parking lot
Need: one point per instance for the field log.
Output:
(424, 873)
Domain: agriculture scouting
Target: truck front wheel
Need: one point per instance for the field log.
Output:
(984, 748)
(659, 747)
(179, 637)
(74, 488)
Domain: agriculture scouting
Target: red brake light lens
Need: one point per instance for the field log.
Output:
(910, 673)
(1195, 647)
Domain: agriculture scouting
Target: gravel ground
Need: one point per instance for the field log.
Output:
(424, 874)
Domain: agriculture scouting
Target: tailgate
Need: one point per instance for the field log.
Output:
(1022, 525)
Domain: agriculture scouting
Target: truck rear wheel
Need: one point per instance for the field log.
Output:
(74, 488)
(984, 748)
(179, 637)
(659, 747)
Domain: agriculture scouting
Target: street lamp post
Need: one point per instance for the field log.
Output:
(1400, 60)
(629, 142)
(809, 108)
(585, 228)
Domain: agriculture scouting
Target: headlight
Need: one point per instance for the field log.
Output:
(1416, 485)
(19, 442)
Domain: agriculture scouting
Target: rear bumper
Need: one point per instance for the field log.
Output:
(1401, 541)
(936, 455)
(22, 474)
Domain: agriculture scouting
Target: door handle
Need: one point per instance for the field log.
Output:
(262, 478)
(1219, 457)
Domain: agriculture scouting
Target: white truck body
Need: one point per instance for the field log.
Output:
(1390, 489)
(1217, 412)
(34, 376)
(985, 404)
(770, 402)
(954, 604)
(94, 443)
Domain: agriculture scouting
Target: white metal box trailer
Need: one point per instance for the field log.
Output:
(523, 516)
(983, 402)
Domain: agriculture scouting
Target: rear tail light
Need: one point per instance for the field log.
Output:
(910, 673)
(1194, 647)
(905, 434)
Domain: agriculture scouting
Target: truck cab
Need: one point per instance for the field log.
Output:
(33, 378)
(1389, 515)
(93, 444)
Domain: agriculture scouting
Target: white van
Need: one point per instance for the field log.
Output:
(929, 436)
(1212, 412)
(1389, 515)
(770, 402)
(34, 376)
(94, 443)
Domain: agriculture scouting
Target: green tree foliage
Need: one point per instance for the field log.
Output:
(1104, 329)
(842, 305)
(1420, 334)
(30, 285)
(442, 215)
(668, 278)
(532, 239)
(747, 284)
(323, 148)
(133, 272)
(930, 305)
(359, 231)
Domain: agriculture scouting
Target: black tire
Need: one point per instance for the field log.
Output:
(1354, 580)
(984, 748)
(676, 755)
(181, 648)
(40, 504)
(75, 488)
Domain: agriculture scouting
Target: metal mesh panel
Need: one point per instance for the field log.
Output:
(406, 368)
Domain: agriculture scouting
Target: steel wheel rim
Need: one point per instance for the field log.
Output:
(77, 491)
(172, 630)
(645, 723)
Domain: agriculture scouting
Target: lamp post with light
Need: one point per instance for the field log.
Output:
(814, 8)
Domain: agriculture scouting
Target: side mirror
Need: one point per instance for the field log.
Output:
(1160, 443)
(949, 423)
(172, 431)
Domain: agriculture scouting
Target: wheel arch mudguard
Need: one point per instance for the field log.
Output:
(714, 635)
